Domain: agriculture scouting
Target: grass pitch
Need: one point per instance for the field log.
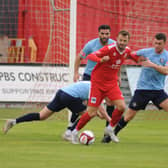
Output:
(143, 144)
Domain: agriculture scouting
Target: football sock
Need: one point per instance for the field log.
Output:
(74, 117)
(28, 117)
(73, 121)
(83, 121)
(121, 124)
(74, 125)
(109, 110)
(116, 116)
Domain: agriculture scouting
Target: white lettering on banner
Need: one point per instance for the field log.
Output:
(31, 83)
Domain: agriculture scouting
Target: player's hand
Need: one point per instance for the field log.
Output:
(148, 63)
(142, 58)
(119, 81)
(105, 58)
(76, 77)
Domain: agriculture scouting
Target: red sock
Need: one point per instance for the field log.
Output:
(116, 116)
(83, 121)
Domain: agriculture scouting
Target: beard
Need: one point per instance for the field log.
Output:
(104, 40)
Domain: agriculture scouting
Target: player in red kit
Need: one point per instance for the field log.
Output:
(104, 83)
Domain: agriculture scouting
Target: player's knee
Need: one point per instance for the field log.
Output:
(129, 115)
(43, 116)
(92, 113)
(121, 107)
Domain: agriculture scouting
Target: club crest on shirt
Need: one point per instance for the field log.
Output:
(114, 54)
(93, 100)
(118, 61)
(161, 60)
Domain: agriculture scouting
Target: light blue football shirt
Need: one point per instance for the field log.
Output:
(150, 79)
(79, 89)
(90, 47)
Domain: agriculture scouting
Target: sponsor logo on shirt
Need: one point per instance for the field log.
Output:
(93, 100)
(116, 65)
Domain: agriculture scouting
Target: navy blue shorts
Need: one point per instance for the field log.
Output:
(63, 100)
(86, 77)
(142, 97)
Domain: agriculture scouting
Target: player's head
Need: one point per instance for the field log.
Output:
(104, 33)
(122, 39)
(159, 42)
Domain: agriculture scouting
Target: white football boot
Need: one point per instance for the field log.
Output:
(8, 125)
(109, 131)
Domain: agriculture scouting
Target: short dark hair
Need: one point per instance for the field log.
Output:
(124, 33)
(104, 27)
(160, 36)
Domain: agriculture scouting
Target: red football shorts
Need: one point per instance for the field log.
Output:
(97, 94)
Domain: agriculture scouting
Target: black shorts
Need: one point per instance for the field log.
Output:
(63, 100)
(86, 77)
(142, 97)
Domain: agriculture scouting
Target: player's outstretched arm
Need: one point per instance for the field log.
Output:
(136, 58)
(76, 68)
(162, 69)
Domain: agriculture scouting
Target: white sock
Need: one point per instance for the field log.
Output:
(75, 131)
(110, 127)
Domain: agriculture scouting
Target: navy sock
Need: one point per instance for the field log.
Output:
(121, 124)
(74, 117)
(109, 110)
(28, 117)
(74, 125)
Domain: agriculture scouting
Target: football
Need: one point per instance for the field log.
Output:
(86, 137)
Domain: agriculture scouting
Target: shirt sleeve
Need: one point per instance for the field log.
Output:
(142, 52)
(85, 51)
(97, 55)
(134, 56)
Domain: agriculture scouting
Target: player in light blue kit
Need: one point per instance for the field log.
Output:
(92, 46)
(71, 97)
(150, 86)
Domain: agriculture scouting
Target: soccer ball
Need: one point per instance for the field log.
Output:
(87, 137)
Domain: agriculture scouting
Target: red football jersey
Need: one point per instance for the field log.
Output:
(106, 73)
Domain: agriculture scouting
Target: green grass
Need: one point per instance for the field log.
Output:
(143, 144)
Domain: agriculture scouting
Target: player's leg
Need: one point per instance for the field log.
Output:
(138, 102)
(129, 115)
(116, 116)
(164, 105)
(42, 115)
(161, 100)
(85, 118)
(95, 99)
(114, 97)
(54, 105)
(74, 118)
(106, 138)
(71, 125)
(77, 107)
